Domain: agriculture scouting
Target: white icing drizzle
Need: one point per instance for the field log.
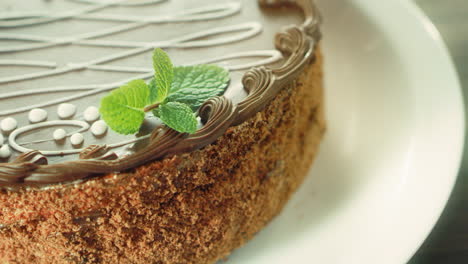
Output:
(269, 56)
(59, 134)
(65, 111)
(28, 63)
(37, 115)
(28, 19)
(91, 114)
(12, 139)
(240, 32)
(90, 91)
(205, 38)
(77, 139)
(5, 152)
(265, 57)
(261, 57)
(99, 128)
(8, 124)
(198, 14)
(120, 3)
(84, 126)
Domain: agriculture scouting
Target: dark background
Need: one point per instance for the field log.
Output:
(448, 242)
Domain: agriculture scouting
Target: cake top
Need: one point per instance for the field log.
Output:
(60, 58)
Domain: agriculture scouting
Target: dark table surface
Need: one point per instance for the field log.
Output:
(448, 242)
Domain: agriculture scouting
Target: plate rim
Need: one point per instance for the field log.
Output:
(424, 20)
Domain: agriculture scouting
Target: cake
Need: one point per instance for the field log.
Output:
(74, 191)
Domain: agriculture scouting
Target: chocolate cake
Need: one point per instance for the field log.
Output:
(74, 191)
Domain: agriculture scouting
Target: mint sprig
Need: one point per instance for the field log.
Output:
(163, 76)
(178, 116)
(123, 108)
(193, 85)
(173, 95)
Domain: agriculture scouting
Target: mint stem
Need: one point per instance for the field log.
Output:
(151, 107)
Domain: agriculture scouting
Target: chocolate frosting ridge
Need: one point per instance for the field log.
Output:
(296, 43)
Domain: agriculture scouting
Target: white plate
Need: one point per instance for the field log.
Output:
(393, 147)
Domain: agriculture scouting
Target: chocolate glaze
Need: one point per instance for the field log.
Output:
(262, 84)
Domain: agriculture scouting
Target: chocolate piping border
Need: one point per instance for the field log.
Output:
(295, 42)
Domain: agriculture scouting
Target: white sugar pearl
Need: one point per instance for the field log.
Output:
(5, 152)
(8, 124)
(91, 114)
(76, 139)
(66, 110)
(37, 115)
(60, 134)
(1, 140)
(99, 128)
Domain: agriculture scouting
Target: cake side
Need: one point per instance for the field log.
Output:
(189, 208)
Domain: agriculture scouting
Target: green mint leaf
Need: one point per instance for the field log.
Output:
(177, 116)
(194, 85)
(123, 108)
(153, 95)
(163, 76)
